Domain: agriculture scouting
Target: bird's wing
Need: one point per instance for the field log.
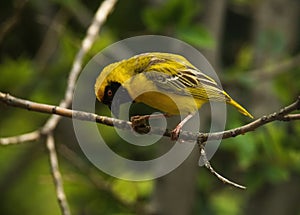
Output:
(183, 78)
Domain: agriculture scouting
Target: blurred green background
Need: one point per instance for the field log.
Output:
(38, 42)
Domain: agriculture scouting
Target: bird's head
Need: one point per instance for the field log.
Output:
(116, 78)
(110, 81)
(103, 80)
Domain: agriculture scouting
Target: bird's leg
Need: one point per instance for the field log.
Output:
(175, 132)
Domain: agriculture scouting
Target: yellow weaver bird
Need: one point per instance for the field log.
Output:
(167, 82)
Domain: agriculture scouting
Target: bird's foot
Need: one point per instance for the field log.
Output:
(175, 133)
(140, 124)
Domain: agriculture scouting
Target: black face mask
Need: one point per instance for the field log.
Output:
(121, 97)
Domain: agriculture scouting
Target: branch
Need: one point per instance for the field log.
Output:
(31, 136)
(103, 11)
(51, 109)
(60, 194)
(282, 115)
(291, 117)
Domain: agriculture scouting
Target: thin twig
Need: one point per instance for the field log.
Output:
(60, 194)
(31, 136)
(291, 117)
(207, 164)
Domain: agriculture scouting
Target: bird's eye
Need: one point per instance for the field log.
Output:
(109, 93)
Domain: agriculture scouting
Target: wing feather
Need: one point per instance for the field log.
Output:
(180, 77)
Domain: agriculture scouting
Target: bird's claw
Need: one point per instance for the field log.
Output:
(175, 133)
(140, 124)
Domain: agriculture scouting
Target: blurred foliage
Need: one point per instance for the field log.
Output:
(180, 17)
(263, 160)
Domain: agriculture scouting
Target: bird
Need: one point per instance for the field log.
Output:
(165, 81)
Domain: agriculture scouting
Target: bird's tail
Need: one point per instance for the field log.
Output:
(239, 107)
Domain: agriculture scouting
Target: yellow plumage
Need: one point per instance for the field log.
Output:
(165, 81)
